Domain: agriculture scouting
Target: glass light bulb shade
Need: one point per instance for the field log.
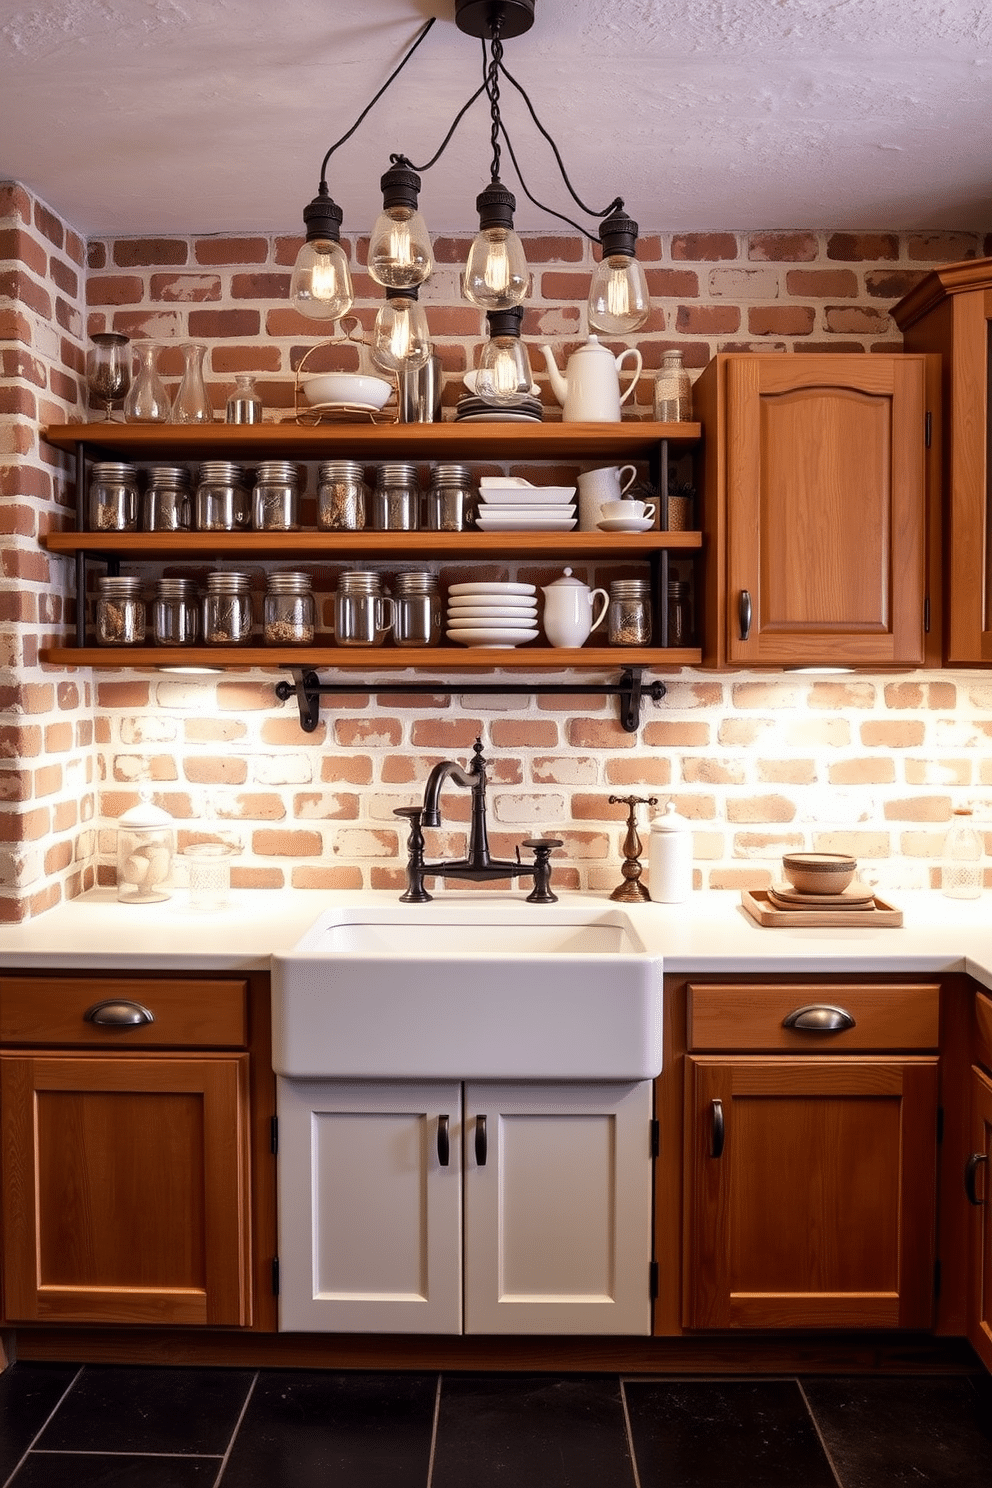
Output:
(496, 273)
(320, 287)
(400, 254)
(618, 296)
(504, 375)
(400, 336)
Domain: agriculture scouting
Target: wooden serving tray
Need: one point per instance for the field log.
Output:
(757, 904)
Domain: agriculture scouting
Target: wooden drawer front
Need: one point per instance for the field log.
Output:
(983, 1030)
(743, 1016)
(208, 1013)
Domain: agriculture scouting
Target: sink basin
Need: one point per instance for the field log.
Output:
(469, 990)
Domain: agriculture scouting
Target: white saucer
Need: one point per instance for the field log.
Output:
(489, 621)
(527, 513)
(635, 524)
(492, 635)
(497, 418)
(493, 587)
(525, 615)
(495, 494)
(524, 524)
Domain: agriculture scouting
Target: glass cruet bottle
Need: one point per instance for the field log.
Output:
(244, 405)
(961, 870)
(147, 402)
(192, 406)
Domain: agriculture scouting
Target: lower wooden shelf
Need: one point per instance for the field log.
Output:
(369, 658)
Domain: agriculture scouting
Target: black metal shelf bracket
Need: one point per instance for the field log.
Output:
(630, 689)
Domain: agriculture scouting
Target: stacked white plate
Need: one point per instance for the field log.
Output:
(509, 503)
(493, 614)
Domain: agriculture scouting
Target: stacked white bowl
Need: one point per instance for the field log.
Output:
(498, 615)
(508, 503)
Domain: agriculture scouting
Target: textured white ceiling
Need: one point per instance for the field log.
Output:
(146, 116)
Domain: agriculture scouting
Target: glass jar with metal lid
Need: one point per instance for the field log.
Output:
(450, 499)
(396, 498)
(223, 502)
(679, 613)
(363, 614)
(342, 496)
(417, 621)
(289, 612)
(175, 613)
(276, 497)
(120, 611)
(167, 503)
(630, 612)
(113, 497)
(227, 610)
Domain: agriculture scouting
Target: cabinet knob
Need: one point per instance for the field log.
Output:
(970, 1173)
(818, 1017)
(718, 1135)
(114, 1013)
(443, 1142)
(744, 613)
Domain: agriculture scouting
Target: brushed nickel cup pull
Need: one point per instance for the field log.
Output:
(481, 1141)
(744, 614)
(970, 1172)
(443, 1142)
(818, 1017)
(118, 1014)
(719, 1132)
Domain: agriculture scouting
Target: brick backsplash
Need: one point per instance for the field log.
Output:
(758, 763)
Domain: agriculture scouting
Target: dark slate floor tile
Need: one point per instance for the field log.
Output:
(724, 1434)
(28, 1395)
(115, 1409)
(105, 1470)
(531, 1431)
(308, 1429)
(884, 1432)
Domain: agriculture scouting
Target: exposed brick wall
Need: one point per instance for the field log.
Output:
(759, 764)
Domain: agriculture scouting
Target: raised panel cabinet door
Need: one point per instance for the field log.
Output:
(978, 1182)
(558, 1208)
(825, 495)
(810, 1192)
(126, 1188)
(370, 1198)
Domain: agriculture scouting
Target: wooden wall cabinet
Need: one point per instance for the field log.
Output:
(125, 1151)
(810, 1169)
(814, 509)
(950, 313)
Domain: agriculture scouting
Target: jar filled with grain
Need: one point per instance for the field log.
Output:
(289, 612)
(630, 612)
(113, 497)
(342, 496)
(120, 611)
(396, 498)
(227, 610)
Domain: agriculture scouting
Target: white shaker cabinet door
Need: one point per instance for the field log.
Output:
(369, 1210)
(558, 1208)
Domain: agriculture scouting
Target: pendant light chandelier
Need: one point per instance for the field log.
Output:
(496, 276)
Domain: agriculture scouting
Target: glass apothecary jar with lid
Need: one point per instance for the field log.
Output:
(228, 614)
(146, 846)
(223, 501)
(289, 611)
(113, 497)
(342, 496)
(175, 613)
(120, 611)
(629, 614)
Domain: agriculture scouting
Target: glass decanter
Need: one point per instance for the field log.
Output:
(108, 369)
(191, 405)
(148, 401)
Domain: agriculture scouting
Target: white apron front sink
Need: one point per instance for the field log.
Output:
(470, 990)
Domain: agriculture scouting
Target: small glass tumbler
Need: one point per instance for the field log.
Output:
(209, 865)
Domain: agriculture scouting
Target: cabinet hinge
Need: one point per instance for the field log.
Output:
(926, 615)
(928, 430)
(275, 1276)
(274, 1135)
(655, 1138)
(940, 1123)
(936, 1278)
(653, 1280)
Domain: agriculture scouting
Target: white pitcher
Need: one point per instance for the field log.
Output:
(589, 390)
(568, 606)
(608, 483)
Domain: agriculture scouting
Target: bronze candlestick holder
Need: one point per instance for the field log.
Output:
(632, 891)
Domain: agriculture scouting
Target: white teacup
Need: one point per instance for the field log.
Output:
(624, 511)
(608, 483)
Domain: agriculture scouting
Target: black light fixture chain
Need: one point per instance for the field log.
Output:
(370, 105)
(492, 88)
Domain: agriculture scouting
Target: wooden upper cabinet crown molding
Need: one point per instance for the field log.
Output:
(950, 279)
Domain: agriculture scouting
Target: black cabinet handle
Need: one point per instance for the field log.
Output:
(719, 1134)
(970, 1172)
(443, 1142)
(818, 1017)
(744, 613)
(117, 1014)
(481, 1141)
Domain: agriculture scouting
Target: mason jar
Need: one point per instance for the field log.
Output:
(227, 610)
(363, 614)
(276, 497)
(417, 621)
(223, 502)
(289, 611)
(342, 496)
(630, 612)
(120, 611)
(450, 499)
(113, 497)
(396, 498)
(175, 613)
(167, 502)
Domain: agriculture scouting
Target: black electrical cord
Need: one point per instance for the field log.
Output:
(368, 107)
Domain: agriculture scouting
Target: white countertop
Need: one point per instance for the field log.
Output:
(711, 932)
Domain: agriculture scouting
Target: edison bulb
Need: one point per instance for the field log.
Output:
(400, 249)
(320, 287)
(400, 336)
(618, 295)
(496, 273)
(504, 375)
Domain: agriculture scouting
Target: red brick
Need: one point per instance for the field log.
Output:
(14, 201)
(855, 319)
(455, 251)
(133, 253)
(96, 254)
(561, 287)
(48, 224)
(821, 282)
(33, 567)
(14, 326)
(862, 247)
(230, 250)
(708, 320)
(74, 248)
(114, 289)
(18, 400)
(670, 284)
(185, 288)
(20, 287)
(783, 247)
(211, 324)
(941, 247)
(68, 317)
(63, 277)
(892, 284)
(781, 320)
(260, 286)
(703, 247)
(20, 247)
(285, 250)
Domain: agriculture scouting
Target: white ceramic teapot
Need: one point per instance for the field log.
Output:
(568, 605)
(589, 391)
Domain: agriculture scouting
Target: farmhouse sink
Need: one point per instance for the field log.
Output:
(469, 990)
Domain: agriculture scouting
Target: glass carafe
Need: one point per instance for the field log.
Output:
(148, 401)
(192, 406)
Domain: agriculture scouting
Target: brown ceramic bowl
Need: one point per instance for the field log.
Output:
(819, 872)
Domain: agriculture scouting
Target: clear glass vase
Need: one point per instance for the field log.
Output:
(192, 406)
(147, 402)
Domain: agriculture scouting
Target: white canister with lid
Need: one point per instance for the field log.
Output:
(146, 843)
(670, 857)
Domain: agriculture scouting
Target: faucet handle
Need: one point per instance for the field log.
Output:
(542, 849)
